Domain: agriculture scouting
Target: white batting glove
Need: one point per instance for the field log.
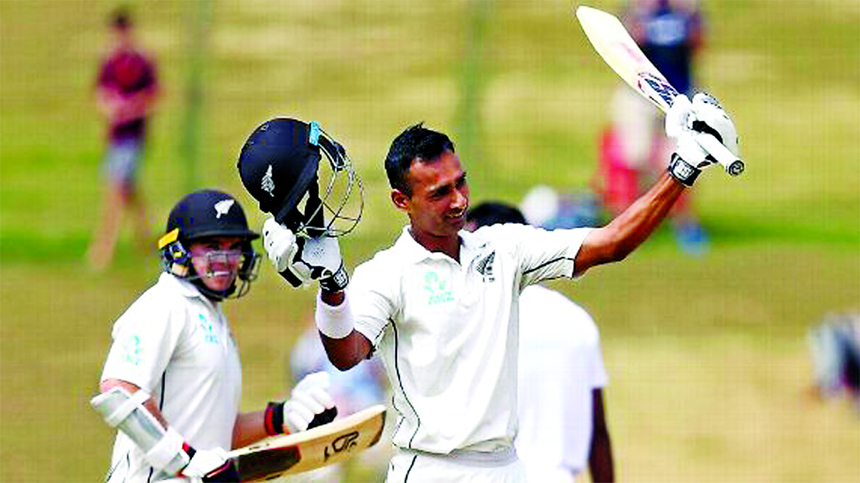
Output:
(711, 118)
(683, 121)
(319, 259)
(280, 244)
(300, 260)
(678, 119)
(310, 404)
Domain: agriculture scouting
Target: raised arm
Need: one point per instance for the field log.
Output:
(622, 235)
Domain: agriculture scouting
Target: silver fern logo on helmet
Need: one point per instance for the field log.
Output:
(268, 184)
(318, 192)
(223, 207)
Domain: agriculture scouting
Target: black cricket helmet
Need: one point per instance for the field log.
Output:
(206, 214)
(280, 167)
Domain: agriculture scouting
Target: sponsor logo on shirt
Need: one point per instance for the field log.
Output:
(438, 289)
(133, 351)
(485, 267)
(208, 330)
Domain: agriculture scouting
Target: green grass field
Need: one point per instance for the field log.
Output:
(709, 369)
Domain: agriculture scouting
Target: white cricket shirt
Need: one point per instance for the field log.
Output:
(560, 366)
(175, 344)
(447, 331)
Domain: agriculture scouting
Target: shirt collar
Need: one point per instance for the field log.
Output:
(416, 253)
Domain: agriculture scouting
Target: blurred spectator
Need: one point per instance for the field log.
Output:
(633, 148)
(546, 208)
(358, 388)
(835, 348)
(126, 93)
(562, 426)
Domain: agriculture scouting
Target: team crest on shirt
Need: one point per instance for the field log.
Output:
(437, 289)
(485, 267)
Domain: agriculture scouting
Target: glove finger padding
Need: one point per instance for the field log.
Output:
(297, 416)
(316, 379)
(310, 404)
(711, 118)
(680, 116)
(322, 255)
(317, 259)
(279, 243)
(690, 151)
(321, 397)
(306, 400)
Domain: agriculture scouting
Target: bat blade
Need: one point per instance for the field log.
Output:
(321, 446)
(612, 41)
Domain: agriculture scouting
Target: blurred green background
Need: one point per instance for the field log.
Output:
(708, 363)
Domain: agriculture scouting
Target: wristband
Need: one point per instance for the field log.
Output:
(274, 419)
(683, 171)
(337, 281)
(334, 322)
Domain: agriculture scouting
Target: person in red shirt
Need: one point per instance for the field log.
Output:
(127, 91)
(632, 146)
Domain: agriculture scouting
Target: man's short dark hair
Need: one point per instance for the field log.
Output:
(416, 142)
(494, 212)
(120, 18)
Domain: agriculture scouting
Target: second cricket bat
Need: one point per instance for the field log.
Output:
(320, 446)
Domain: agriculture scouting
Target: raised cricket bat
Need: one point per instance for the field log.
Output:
(320, 446)
(611, 40)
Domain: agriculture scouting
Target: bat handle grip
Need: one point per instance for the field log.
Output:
(732, 164)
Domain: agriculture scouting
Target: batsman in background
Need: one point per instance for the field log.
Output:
(561, 376)
(633, 148)
(172, 382)
(441, 306)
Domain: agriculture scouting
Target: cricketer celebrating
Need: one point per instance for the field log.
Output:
(172, 380)
(441, 305)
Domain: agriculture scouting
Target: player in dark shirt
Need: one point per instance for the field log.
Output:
(669, 33)
(126, 93)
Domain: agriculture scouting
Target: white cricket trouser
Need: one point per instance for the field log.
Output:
(549, 475)
(419, 467)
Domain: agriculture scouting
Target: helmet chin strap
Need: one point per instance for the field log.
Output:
(216, 295)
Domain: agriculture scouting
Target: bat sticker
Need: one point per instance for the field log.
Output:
(659, 86)
(343, 443)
